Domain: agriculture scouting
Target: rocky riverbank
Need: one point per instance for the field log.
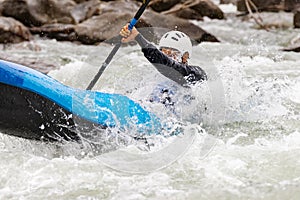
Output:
(93, 21)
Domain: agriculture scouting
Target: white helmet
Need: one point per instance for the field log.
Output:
(176, 40)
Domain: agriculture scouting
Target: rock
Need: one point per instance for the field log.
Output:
(163, 5)
(291, 5)
(100, 28)
(20, 11)
(294, 48)
(186, 13)
(84, 10)
(280, 20)
(113, 16)
(80, 1)
(196, 10)
(12, 31)
(59, 32)
(118, 6)
(152, 19)
(39, 12)
(266, 5)
(97, 21)
(297, 19)
(209, 9)
(1, 7)
(270, 5)
(234, 2)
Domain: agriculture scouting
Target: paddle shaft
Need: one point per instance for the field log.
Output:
(118, 45)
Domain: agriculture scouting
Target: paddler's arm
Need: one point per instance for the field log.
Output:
(154, 55)
(162, 62)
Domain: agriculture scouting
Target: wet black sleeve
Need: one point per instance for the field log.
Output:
(178, 72)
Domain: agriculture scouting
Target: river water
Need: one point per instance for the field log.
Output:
(245, 146)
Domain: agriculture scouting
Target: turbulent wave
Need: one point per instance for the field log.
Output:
(247, 114)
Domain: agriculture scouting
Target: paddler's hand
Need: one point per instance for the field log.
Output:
(127, 34)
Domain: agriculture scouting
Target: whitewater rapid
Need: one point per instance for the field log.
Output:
(246, 147)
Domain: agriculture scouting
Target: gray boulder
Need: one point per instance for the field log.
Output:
(266, 5)
(291, 5)
(189, 9)
(163, 5)
(209, 9)
(297, 19)
(61, 32)
(81, 1)
(84, 10)
(270, 5)
(101, 28)
(187, 13)
(112, 16)
(12, 31)
(234, 2)
(39, 12)
(152, 19)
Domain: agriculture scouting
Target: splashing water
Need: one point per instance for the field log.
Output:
(248, 111)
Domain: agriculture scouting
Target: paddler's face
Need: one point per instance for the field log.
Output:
(172, 53)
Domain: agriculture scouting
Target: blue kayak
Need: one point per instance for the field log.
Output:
(36, 106)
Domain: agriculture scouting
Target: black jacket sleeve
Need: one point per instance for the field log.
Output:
(178, 72)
